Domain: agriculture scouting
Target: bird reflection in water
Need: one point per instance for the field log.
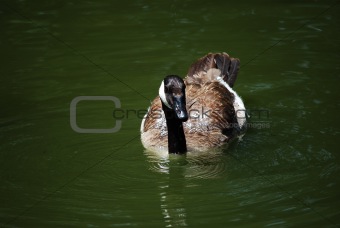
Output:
(176, 172)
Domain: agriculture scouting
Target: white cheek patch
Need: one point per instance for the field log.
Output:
(162, 95)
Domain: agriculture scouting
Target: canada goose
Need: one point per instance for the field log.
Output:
(198, 113)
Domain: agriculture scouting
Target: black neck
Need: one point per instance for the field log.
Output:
(176, 137)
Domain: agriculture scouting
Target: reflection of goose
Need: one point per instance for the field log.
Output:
(197, 113)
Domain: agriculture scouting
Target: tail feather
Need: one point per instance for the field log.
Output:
(223, 64)
(228, 66)
(232, 72)
(202, 64)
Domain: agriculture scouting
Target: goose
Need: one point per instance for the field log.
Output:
(197, 113)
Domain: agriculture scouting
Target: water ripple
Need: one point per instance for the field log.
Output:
(203, 165)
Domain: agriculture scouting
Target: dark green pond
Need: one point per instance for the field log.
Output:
(283, 173)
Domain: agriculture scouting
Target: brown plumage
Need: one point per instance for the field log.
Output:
(210, 105)
(228, 66)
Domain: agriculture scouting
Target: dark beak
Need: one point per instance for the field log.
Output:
(179, 108)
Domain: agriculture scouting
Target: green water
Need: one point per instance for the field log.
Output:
(284, 173)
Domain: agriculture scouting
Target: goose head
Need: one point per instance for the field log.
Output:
(172, 94)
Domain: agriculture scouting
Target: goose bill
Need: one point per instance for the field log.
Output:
(179, 107)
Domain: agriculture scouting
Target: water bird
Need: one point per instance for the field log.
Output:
(199, 112)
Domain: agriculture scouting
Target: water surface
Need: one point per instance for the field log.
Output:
(283, 173)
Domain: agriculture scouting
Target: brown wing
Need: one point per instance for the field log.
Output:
(154, 115)
(212, 114)
(154, 133)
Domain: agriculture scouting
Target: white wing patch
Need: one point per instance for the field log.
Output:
(240, 110)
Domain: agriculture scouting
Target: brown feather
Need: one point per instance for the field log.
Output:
(222, 61)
